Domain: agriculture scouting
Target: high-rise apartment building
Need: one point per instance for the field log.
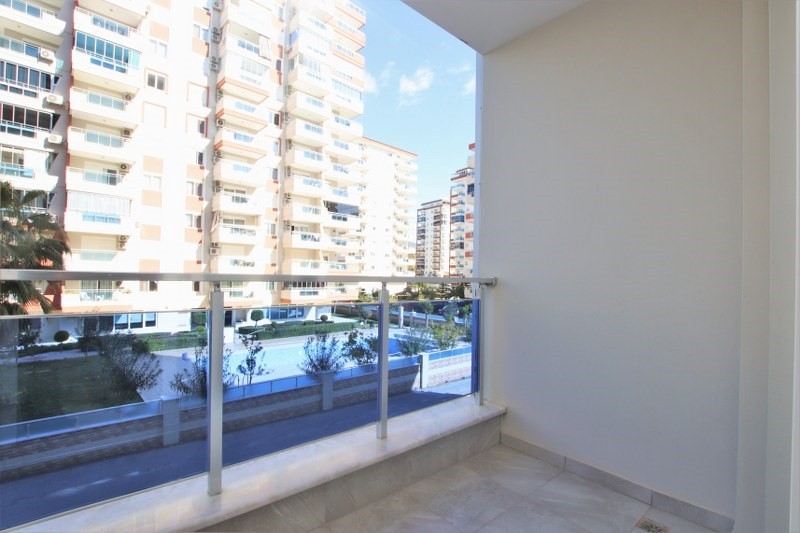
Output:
(197, 136)
(462, 218)
(433, 238)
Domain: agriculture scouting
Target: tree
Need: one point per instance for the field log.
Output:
(322, 353)
(59, 337)
(194, 382)
(450, 310)
(256, 315)
(467, 312)
(360, 348)
(29, 239)
(251, 365)
(427, 309)
(129, 364)
(415, 341)
(88, 335)
(445, 335)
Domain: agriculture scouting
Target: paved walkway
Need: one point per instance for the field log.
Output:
(38, 496)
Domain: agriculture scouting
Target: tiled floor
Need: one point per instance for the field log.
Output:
(501, 490)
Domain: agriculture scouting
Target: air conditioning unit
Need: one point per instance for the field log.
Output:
(217, 4)
(220, 122)
(124, 167)
(46, 55)
(126, 133)
(217, 159)
(216, 35)
(128, 97)
(213, 62)
(54, 99)
(55, 139)
(217, 183)
(122, 239)
(214, 245)
(220, 93)
(217, 153)
(213, 251)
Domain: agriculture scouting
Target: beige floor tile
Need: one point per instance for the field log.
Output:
(513, 470)
(529, 515)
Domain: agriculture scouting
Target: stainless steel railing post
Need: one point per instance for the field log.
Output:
(214, 399)
(383, 364)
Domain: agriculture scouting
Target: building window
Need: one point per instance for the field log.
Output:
(200, 158)
(199, 32)
(156, 81)
(107, 54)
(149, 286)
(158, 48)
(151, 181)
(194, 188)
(196, 124)
(193, 220)
(23, 80)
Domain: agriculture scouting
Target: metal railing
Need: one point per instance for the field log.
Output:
(216, 323)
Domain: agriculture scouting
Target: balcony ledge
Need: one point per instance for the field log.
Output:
(185, 506)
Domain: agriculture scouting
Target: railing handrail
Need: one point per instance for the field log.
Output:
(63, 275)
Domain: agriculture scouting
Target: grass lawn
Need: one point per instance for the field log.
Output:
(63, 386)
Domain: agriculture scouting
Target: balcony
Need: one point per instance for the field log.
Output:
(302, 240)
(238, 204)
(31, 20)
(306, 159)
(238, 80)
(25, 136)
(234, 265)
(240, 113)
(309, 81)
(406, 166)
(308, 107)
(300, 296)
(304, 132)
(350, 195)
(346, 106)
(102, 108)
(29, 54)
(344, 152)
(341, 245)
(345, 128)
(129, 12)
(358, 15)
(238, 173)
(108, 29)
(235, 234)
(342, 221)
(299, 212)
(341, 268)
(100, 182)
(99, 222)
(241, 143)
(340, 173)
(102, 71)
(304, 267)
(101, 146)
(249, 15)
(304, 186)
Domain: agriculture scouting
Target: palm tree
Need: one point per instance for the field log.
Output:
(427, 308)
(29, 239)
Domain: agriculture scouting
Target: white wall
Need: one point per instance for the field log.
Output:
(611, 211)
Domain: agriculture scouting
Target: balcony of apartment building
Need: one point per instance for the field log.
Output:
(356, 13)
(307, 133)
(345, 128)
(26, 134)
(105, 181)
(27, 176)
(341, 244)
(348, 105)
(237, 112)
(303, 185)
(303, 240)
(114, 110)
(404, 213)
(239, 201)
(306, 159)
(308, 107)
(407, 167)
(128, 12)
(309, 76)
(105, 63)
(299, 211)
(342, 174)
(345, 32)
(28, 54)
(32, 19)
(108, 28)
(404, 189)
(241, 143)
(248, 17)
(345, 53)
(227, 264)
(344, 152)
(102, 145)
(235, 172)
(304, 267)
(350, 195)
(103, 214)
(342, 221)
(233, 230)
(244, 77)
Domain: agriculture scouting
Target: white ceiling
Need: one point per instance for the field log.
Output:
(487, 24)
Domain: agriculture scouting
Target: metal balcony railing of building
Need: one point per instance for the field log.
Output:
(162, 424)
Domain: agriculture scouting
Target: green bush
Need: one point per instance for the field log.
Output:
(296, 329)
(61, 335)
(36, 350)
(323, 318)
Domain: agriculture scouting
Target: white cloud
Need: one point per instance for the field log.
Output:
(466, 67)
(387, 73)
(370, 85)
(421, 80)
(469, 87)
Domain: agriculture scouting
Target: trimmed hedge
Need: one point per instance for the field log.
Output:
(158, 341)
(297, 329)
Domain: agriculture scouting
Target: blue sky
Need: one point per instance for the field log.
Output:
(420, 92)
